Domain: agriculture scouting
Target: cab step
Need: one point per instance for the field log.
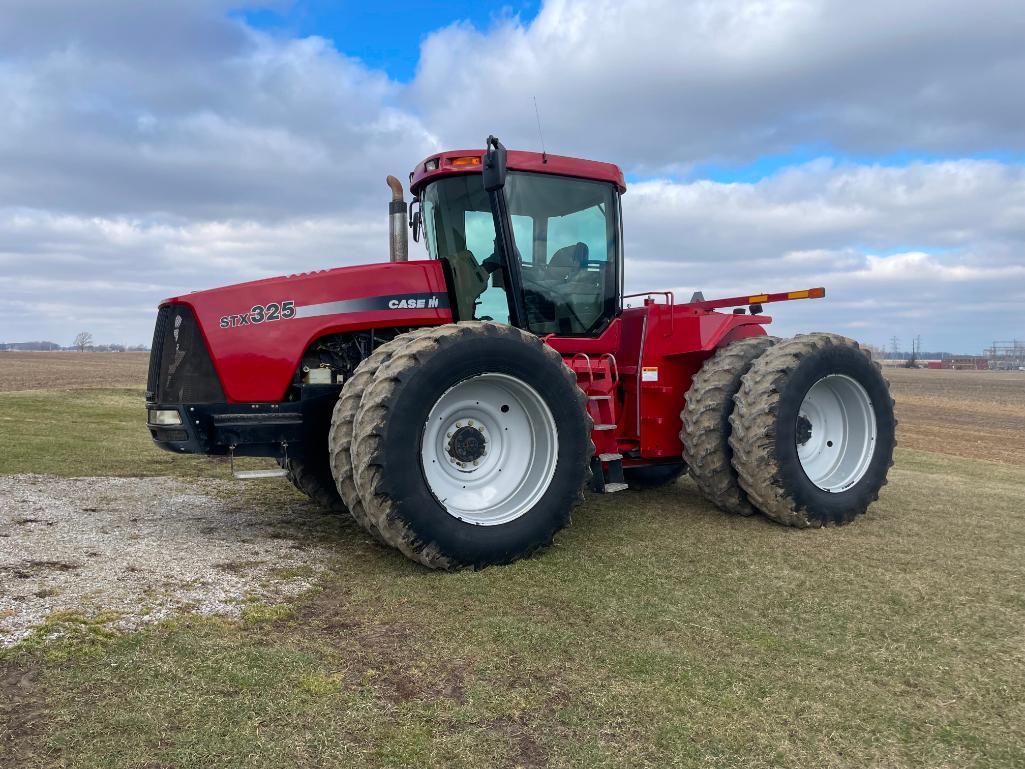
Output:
(607, 474)
(252, 475)
(249, 475)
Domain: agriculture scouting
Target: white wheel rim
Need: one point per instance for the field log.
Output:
(838, 451)
(506, 453)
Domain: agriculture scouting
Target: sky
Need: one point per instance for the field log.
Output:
(148, 149)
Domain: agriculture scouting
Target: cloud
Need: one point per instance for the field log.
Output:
(63, 272)
(149, 149)
(822, 205)
(666, 84)
(212, 120)
(930, 248)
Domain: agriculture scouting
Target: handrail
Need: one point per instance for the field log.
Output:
(613, 368)
(590, 370)
(670, 302)
(670, 297)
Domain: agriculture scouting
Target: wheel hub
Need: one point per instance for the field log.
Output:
(803, 430)
(835, 433)
(489, 449)
(467, 444)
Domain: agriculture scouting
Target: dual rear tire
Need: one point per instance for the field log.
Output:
(801, 430)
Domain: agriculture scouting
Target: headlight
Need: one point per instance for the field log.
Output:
(164, 417)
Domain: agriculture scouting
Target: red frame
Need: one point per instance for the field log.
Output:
(673, 340)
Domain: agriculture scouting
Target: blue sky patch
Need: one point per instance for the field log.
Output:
(384, 36)
(767, 165)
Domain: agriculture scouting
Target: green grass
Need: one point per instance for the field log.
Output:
(89, 433)
(657, 632)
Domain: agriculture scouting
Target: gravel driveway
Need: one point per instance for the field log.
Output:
(144, 548)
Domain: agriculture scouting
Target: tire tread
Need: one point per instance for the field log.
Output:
(705, 432)
(754, 419)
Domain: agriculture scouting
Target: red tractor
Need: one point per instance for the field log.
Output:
(457, 405)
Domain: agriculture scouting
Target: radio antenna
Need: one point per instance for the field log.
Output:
(537, 114)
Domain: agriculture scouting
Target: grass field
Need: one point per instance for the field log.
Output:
(657, 632)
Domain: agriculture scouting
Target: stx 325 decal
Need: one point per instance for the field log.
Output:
(266, 313)
(260, 313)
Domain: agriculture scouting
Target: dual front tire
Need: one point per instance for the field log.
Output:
(485, 437)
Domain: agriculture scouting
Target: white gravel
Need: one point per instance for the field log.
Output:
(144, 548)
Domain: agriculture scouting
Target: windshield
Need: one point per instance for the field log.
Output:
(566, 232)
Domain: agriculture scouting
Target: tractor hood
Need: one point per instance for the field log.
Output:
(256, 332)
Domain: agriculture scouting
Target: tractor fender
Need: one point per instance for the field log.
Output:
(741, 330)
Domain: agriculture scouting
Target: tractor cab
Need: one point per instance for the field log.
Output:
(537, 245)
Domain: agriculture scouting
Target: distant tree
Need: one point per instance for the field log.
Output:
(83, 340)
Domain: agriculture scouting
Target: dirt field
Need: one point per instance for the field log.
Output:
(974, 414)
(71, 370)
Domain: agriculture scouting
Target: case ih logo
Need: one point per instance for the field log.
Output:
(268, 313)
(414, 303)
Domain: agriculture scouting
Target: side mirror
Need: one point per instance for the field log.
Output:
(494, 165)
(415, 223)
(415, 219)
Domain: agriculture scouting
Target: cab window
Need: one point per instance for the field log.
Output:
(566, 233)
(570, 281)
(460, 230)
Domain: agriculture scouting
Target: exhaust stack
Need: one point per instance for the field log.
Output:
(398, 236)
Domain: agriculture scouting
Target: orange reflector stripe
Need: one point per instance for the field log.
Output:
(465, 161)
(798, 295)
(758, 299)
(816, 293)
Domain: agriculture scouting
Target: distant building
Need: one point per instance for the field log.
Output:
(962, 363)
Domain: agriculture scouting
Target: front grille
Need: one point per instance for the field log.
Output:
(154, 353)
(180, 369)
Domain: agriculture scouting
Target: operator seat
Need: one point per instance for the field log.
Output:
(580, 290)
(568, 261)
